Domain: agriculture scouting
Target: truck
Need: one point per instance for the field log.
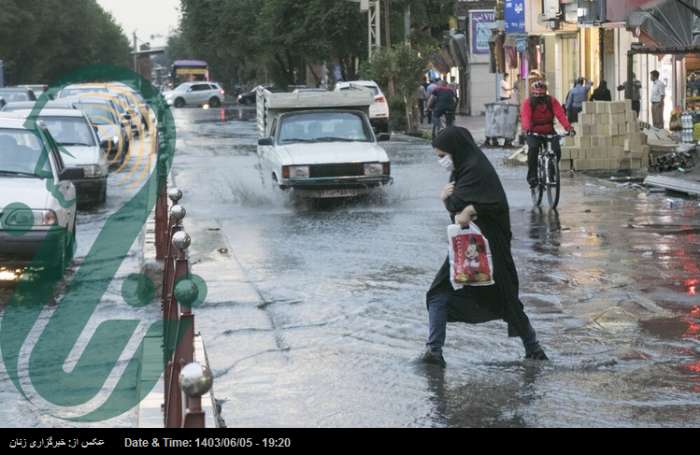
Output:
(320, 144)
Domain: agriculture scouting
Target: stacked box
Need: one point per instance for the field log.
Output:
(609, 139)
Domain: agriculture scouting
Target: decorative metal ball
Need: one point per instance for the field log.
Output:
(181, 240)
(175, 195)
(186, 292)
(196, 380)
(178, 212)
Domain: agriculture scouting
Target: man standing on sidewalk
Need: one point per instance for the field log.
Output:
(658, 93)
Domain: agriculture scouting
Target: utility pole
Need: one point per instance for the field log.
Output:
(387, 22)
(407, 24)
(135, 50)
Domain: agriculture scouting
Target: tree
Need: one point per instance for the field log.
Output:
(40, 41)
(405, 66)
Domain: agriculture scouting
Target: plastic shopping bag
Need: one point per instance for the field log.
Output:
(471, 263)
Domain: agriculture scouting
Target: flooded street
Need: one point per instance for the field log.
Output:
(316, 315)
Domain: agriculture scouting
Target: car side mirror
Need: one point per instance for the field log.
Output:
(73, 173)
(384, 137)
(265, 141)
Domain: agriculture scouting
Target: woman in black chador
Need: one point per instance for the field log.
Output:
(475, 193)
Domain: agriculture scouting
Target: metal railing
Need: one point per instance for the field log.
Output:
(186, 381)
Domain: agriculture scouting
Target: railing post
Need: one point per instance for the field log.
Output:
(195, 380)
(180, 328)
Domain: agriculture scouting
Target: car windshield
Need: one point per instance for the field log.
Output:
(12, 96)
(70, 130)
(68, 92)
(99, 114)
(22, 155)
(323, 127)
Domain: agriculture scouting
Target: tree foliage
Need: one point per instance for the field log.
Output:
(42, 40)
(404, 66)
(276, 40)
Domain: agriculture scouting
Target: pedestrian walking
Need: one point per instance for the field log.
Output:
(429, 92)
(421, 98)
(442, 102)
(579, 94)
(475, 193)
(602, 93)
(633, 92)
(658, 94)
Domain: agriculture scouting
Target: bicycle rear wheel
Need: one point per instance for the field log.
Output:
(553, 183)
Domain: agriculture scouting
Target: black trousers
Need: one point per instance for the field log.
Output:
(636, 106)
(533, 148)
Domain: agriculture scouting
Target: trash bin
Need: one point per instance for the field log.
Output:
(501, 121)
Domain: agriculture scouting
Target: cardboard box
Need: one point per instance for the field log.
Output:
(604, 118)
(586, 141)
(603, 129)
(618, 107)
(602, 107)
(566, 165)
(587, 119)
(588, 107)
(588, 130)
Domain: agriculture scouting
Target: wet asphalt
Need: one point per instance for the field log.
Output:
(316, 313)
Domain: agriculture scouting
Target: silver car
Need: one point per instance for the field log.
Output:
(196, 94)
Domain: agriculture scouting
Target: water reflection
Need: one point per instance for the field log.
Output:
(545, 229)
(482, 403)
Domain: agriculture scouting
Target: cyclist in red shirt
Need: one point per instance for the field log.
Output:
(537, 114)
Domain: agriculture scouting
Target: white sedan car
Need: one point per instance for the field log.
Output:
(324, 154)
(37, 199)
(379, 110)
(196, 94)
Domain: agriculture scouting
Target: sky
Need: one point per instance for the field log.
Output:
(146, 17)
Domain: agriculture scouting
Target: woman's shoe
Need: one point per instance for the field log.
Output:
(537, 354)
(433, 359)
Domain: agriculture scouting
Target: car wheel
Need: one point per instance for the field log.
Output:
(179, 103)
(103, 193)
(58, 266)
(215, 102)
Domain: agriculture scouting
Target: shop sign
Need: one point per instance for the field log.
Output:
(481, 22)
(514, 14)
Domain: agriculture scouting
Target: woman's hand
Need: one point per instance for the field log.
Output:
(466, 216)
(448, 191)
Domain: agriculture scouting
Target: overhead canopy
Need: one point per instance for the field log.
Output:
(668, 24)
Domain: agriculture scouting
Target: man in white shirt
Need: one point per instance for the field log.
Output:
(658, 93)
(506, 89)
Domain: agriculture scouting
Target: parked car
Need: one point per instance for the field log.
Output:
(12, 94)
(379, 110)
(196, 94)
(81, 89)
(37, 198)
(80, 147)
(111, 129)
(29, 105)
(320, 145)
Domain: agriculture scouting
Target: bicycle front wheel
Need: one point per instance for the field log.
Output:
(553, 183)
(538, 191)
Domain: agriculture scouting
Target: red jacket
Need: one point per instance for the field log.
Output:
(541, 121)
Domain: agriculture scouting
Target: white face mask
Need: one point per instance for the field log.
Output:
(446, 163)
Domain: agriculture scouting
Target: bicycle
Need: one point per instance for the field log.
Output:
(548, 175)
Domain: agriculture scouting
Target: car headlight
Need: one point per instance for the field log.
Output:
(92, 171)
(299, 172)
(28, 218)
(374, 169)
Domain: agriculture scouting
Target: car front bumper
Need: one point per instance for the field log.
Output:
(32, 248)
(331, 187)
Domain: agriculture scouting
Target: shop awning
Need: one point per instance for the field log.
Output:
(668, 24)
